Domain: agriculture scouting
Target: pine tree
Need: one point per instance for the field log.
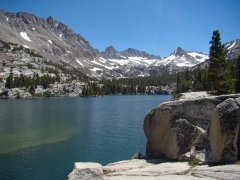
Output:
(9, 81)
(217, 68)
(32, 90)
(205, 80)
(238, 76)
(179, 85)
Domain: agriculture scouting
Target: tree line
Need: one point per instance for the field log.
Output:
(127, 86)
(30, 82)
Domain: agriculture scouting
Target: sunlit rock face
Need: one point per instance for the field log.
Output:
(209, 124)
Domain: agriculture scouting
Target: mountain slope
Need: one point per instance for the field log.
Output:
(52, 39)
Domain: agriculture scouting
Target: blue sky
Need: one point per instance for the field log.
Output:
(155, 26)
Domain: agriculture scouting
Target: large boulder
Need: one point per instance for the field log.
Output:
(173, 127)
(181, 128)
(223, 133)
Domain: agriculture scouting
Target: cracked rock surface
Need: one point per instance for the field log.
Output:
(154, 169)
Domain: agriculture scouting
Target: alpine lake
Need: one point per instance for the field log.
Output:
(41, 138)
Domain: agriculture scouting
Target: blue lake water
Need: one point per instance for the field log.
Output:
(42, 138)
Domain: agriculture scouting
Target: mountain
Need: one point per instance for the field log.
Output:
(52, 39)
(57, 42)
(111, 53)
(183, 58)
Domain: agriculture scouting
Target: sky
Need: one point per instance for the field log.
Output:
(155, 26)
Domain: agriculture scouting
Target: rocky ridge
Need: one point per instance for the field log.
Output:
(111, 53)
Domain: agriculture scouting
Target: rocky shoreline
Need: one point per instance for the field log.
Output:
(73, 89)
(197, 133)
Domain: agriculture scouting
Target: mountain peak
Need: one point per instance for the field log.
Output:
(131, 52)
(50, 20)
(179, 52)
(110, 49)
(111, 53)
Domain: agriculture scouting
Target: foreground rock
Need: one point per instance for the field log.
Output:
(86, 171)
(184, 128)
(223, 133)
(173, 127)
(228, 172)
(154, 169)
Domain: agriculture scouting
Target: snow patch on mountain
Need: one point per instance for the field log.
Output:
(26, 46)
(97, 63)
(25, 36)
(104, 65)
(79, 62)
(102, 60)
(96, 69)
(133, 61)
(199, 57)
(231, 46)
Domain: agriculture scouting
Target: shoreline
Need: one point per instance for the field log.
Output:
(37, 97)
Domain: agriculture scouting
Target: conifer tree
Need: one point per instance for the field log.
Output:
(32, 90)
(179, 86)
(238, 76)
(9, 80)
(217, 67)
